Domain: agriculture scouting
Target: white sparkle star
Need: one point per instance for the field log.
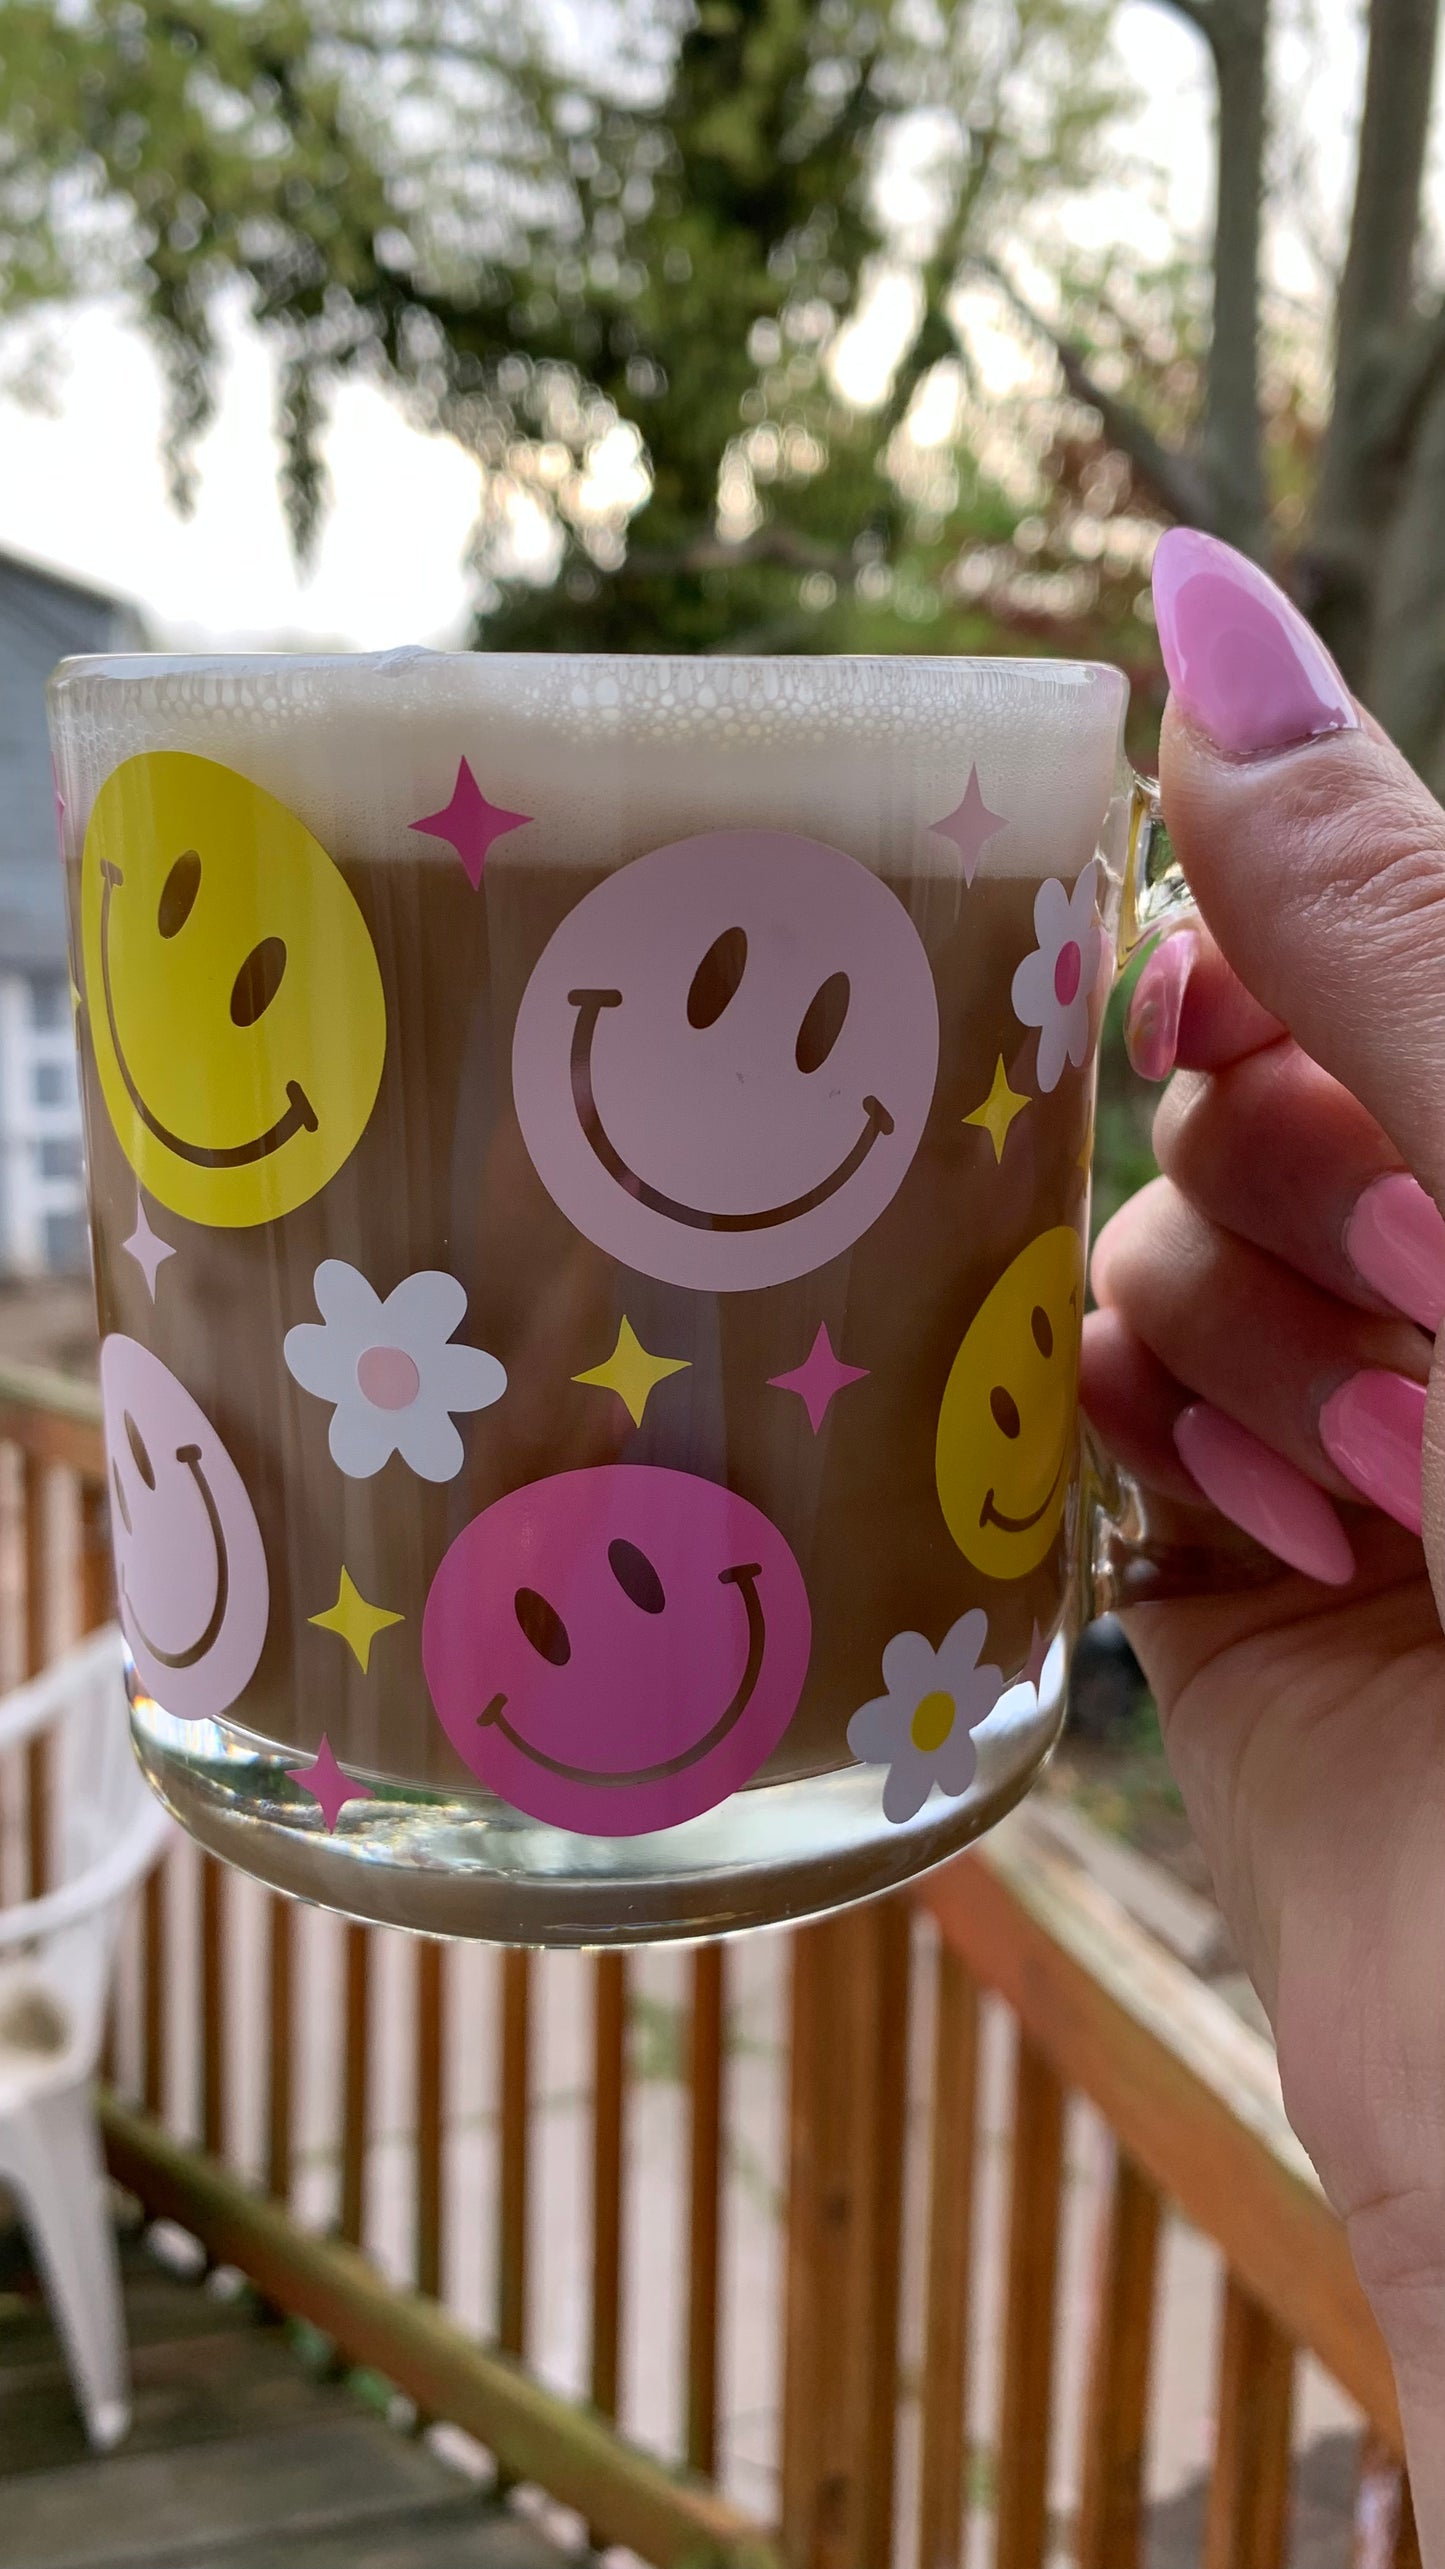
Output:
(149, 1251)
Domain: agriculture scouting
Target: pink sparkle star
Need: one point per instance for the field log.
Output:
(147, 1248)
(970, 825)
(818, 1378)
(1032, 1672)
(471, 823)
(328, 1785)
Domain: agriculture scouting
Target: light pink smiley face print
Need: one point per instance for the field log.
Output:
(617, 1650)
(189, 1565)
(725, 1058)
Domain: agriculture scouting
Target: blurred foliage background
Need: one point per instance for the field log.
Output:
(781, 325)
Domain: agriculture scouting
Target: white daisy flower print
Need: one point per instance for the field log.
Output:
(1053, 986)
(391, 1370)
(922, 1728)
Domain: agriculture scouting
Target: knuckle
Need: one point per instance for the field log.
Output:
(1177, 1122)
(1134, 1244)
(1383, 846)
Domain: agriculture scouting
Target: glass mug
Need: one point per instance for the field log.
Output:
(589, 1166)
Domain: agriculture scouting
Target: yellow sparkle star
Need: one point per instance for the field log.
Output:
(1086, 1149)
(998, 1110)
(357, 1622)
(632, 1373)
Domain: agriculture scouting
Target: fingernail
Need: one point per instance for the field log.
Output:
(1372, 1429)
(1263, 1494)
(1151, 1029)
(1395, 1241)
(1241, 660)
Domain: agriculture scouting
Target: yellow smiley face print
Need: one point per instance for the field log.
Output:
(232, 989)
(1006, 1427)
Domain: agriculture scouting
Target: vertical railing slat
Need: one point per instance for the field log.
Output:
(1117, 2405)
(706, 2039)
(154, 2014)
(97, 1602)
(94, 1608)
(890, 2132)
(847, 2117)
(355, 2081)
(12, 1545)
(281, 1924)
(609, 2088)
(516, 2081)
(39, 1607)
(950, 2238)
(1248, 2518)
(213, 2007)
(1025, 2412)
(430, 2057)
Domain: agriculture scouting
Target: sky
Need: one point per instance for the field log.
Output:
(82, 484)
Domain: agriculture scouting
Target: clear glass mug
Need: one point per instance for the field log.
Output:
(589, 1167)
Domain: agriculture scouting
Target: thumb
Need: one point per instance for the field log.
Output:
(1317, 859)
(1315, 854)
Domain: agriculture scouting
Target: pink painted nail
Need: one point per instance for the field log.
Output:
(1372, 1429)
(1262, 1493)
(1395, 1241)
(1241, 660)
(1151, 1029)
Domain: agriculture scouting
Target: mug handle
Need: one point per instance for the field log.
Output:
(1154, 895)
(1140, 1546)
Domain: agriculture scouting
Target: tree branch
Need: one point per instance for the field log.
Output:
(1412, 385)
(1379, 266)
(1175, 479)
(935, 337)
(1407, 662)
(1233, 441)
(1218, 21)
(1236, 33)
(781, 545)
(1203, 14)
(1378, 396)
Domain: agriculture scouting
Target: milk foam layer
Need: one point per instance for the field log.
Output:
(615, 755)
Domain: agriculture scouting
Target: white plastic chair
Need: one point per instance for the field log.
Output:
(56, 1954)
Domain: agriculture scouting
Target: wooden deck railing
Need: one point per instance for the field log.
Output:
(913, 2274)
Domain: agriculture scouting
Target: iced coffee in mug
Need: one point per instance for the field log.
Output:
(589, 1170)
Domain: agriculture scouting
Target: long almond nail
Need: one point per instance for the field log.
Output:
(1151, 1029)
(1395, 1241)
(1241, 660)
(1263, 1494)
(1373, 1431)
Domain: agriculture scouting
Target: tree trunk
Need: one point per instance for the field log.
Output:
(1407, 676)
(1360, 466)
(1232, 432)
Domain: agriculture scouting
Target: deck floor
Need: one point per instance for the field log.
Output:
(245, 2454)
(240, 2456)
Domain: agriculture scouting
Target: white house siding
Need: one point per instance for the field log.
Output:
(43, 618)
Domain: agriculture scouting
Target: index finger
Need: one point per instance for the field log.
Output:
(1191, 1011)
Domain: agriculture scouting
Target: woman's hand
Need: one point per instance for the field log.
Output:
(1262, 1346)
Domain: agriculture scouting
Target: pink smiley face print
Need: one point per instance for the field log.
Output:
(616, 1650)
(725, 1057)
(190, 1571)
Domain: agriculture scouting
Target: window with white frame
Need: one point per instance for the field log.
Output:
(42, 1196)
